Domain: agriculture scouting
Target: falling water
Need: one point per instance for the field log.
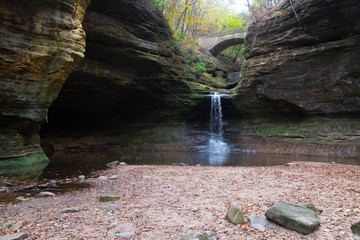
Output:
(216, 141)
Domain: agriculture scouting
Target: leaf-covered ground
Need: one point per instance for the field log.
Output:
(175, 200)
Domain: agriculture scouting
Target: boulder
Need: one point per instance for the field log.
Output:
(234, 214)
(111, 208)
(108, 198)
(294, 217)
(7, 225)
(198, 236)
(70, 210)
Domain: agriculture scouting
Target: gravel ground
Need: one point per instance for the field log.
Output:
(175, 200)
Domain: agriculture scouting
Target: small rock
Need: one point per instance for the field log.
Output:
(114, 177)
(258, 222)
(234, 214)
(145, 177)
(198, 236)
(52, 182)
(7, 225)
(356, 228)
(70, 210)
(11, 225)
(108, 198)
(3, 190)
(16, 226)
(124, 234)
(81, 178)
(294, 217)
(6, 184)
(111, 208)
(112, 164)
(102, 178)
(198, 165)
(15, 236)
(123, 163)
(74, 179)
(182, 164)
(46, 194)
(291, 164)
(20, 199)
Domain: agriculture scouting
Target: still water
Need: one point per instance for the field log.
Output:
(66, 165)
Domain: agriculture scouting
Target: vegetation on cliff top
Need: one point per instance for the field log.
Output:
(191, 19)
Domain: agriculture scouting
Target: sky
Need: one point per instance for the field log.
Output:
(239, 5)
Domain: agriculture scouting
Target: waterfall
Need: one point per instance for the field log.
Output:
(216, 141)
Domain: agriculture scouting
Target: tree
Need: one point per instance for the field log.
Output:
(190, 18)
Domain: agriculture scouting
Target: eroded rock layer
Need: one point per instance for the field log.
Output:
(305, 58)
(41, 43)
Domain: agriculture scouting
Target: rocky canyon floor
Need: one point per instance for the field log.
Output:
(166, 202)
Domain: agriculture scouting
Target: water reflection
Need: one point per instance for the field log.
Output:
(68, 165)
(218, 159)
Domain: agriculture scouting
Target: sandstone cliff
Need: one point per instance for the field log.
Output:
(304, 58)
(41, 43)
(133, 70)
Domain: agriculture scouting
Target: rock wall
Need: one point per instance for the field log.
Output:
(41, 43)
(303, 58)
(133, 71)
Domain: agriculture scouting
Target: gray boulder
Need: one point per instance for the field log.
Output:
(294, 217)
(234, 214)
(70, 210)
(198, 236)
(111, 208)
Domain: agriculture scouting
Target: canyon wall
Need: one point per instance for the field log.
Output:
(303, 58)
(133, 69)
(41, 43)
